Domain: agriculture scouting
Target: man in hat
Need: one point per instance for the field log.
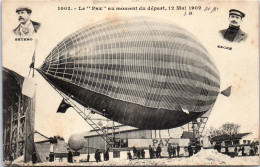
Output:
(26, 26)
(234, 33)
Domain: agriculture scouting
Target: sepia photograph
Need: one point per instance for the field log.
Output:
(130, 83)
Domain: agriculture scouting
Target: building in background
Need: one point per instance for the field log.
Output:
(126, 137)
(50, 145)
(229, 140)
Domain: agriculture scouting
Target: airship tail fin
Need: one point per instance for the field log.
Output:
(226, 92)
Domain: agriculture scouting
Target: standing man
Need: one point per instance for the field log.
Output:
(129, 155)
(251, 151)
(138, 154)
(97, 156)
(26, 27)
(190, 150)
(135, 152)
(173, 151)
(235, 150)
(70, 157)
(158, 151)
(107, 155)
(226, 150)
(243, 150)
(34, 157)
(143, 153)
(234, 33)
(153, 151)
(178, 150)
(150, 152)
(169, 149)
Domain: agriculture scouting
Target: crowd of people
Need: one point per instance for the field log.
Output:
(173, 151)
(155, 153)
(139, 154)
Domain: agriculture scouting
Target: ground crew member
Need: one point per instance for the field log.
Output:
(174, 151)
(97, 156)
(169, 149)
(178, 150)
(134, 151)
(150, 152)
(190, 150)
(158, 151)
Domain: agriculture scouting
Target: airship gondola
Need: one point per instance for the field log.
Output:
(139, 71)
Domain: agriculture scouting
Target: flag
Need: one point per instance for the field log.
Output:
(33, 60)
(33, 57)
(226, 92)
(32, 65)
(28, 88)
(63, 107)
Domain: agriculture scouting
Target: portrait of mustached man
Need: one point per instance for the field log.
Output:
(27, 27)
(234, 32)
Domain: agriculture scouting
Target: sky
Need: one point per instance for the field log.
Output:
(237, 67)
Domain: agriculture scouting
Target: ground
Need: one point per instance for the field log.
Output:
(204, 157)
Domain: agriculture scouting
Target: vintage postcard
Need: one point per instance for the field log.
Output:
(132, 83)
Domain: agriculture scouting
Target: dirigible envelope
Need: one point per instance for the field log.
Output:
(142, 72)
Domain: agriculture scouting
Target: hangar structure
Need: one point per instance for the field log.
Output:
(125, 137)
(18, 118)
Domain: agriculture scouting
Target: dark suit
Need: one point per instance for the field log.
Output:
(35, 25)
(240, 36)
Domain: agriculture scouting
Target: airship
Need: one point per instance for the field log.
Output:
(139, 71)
